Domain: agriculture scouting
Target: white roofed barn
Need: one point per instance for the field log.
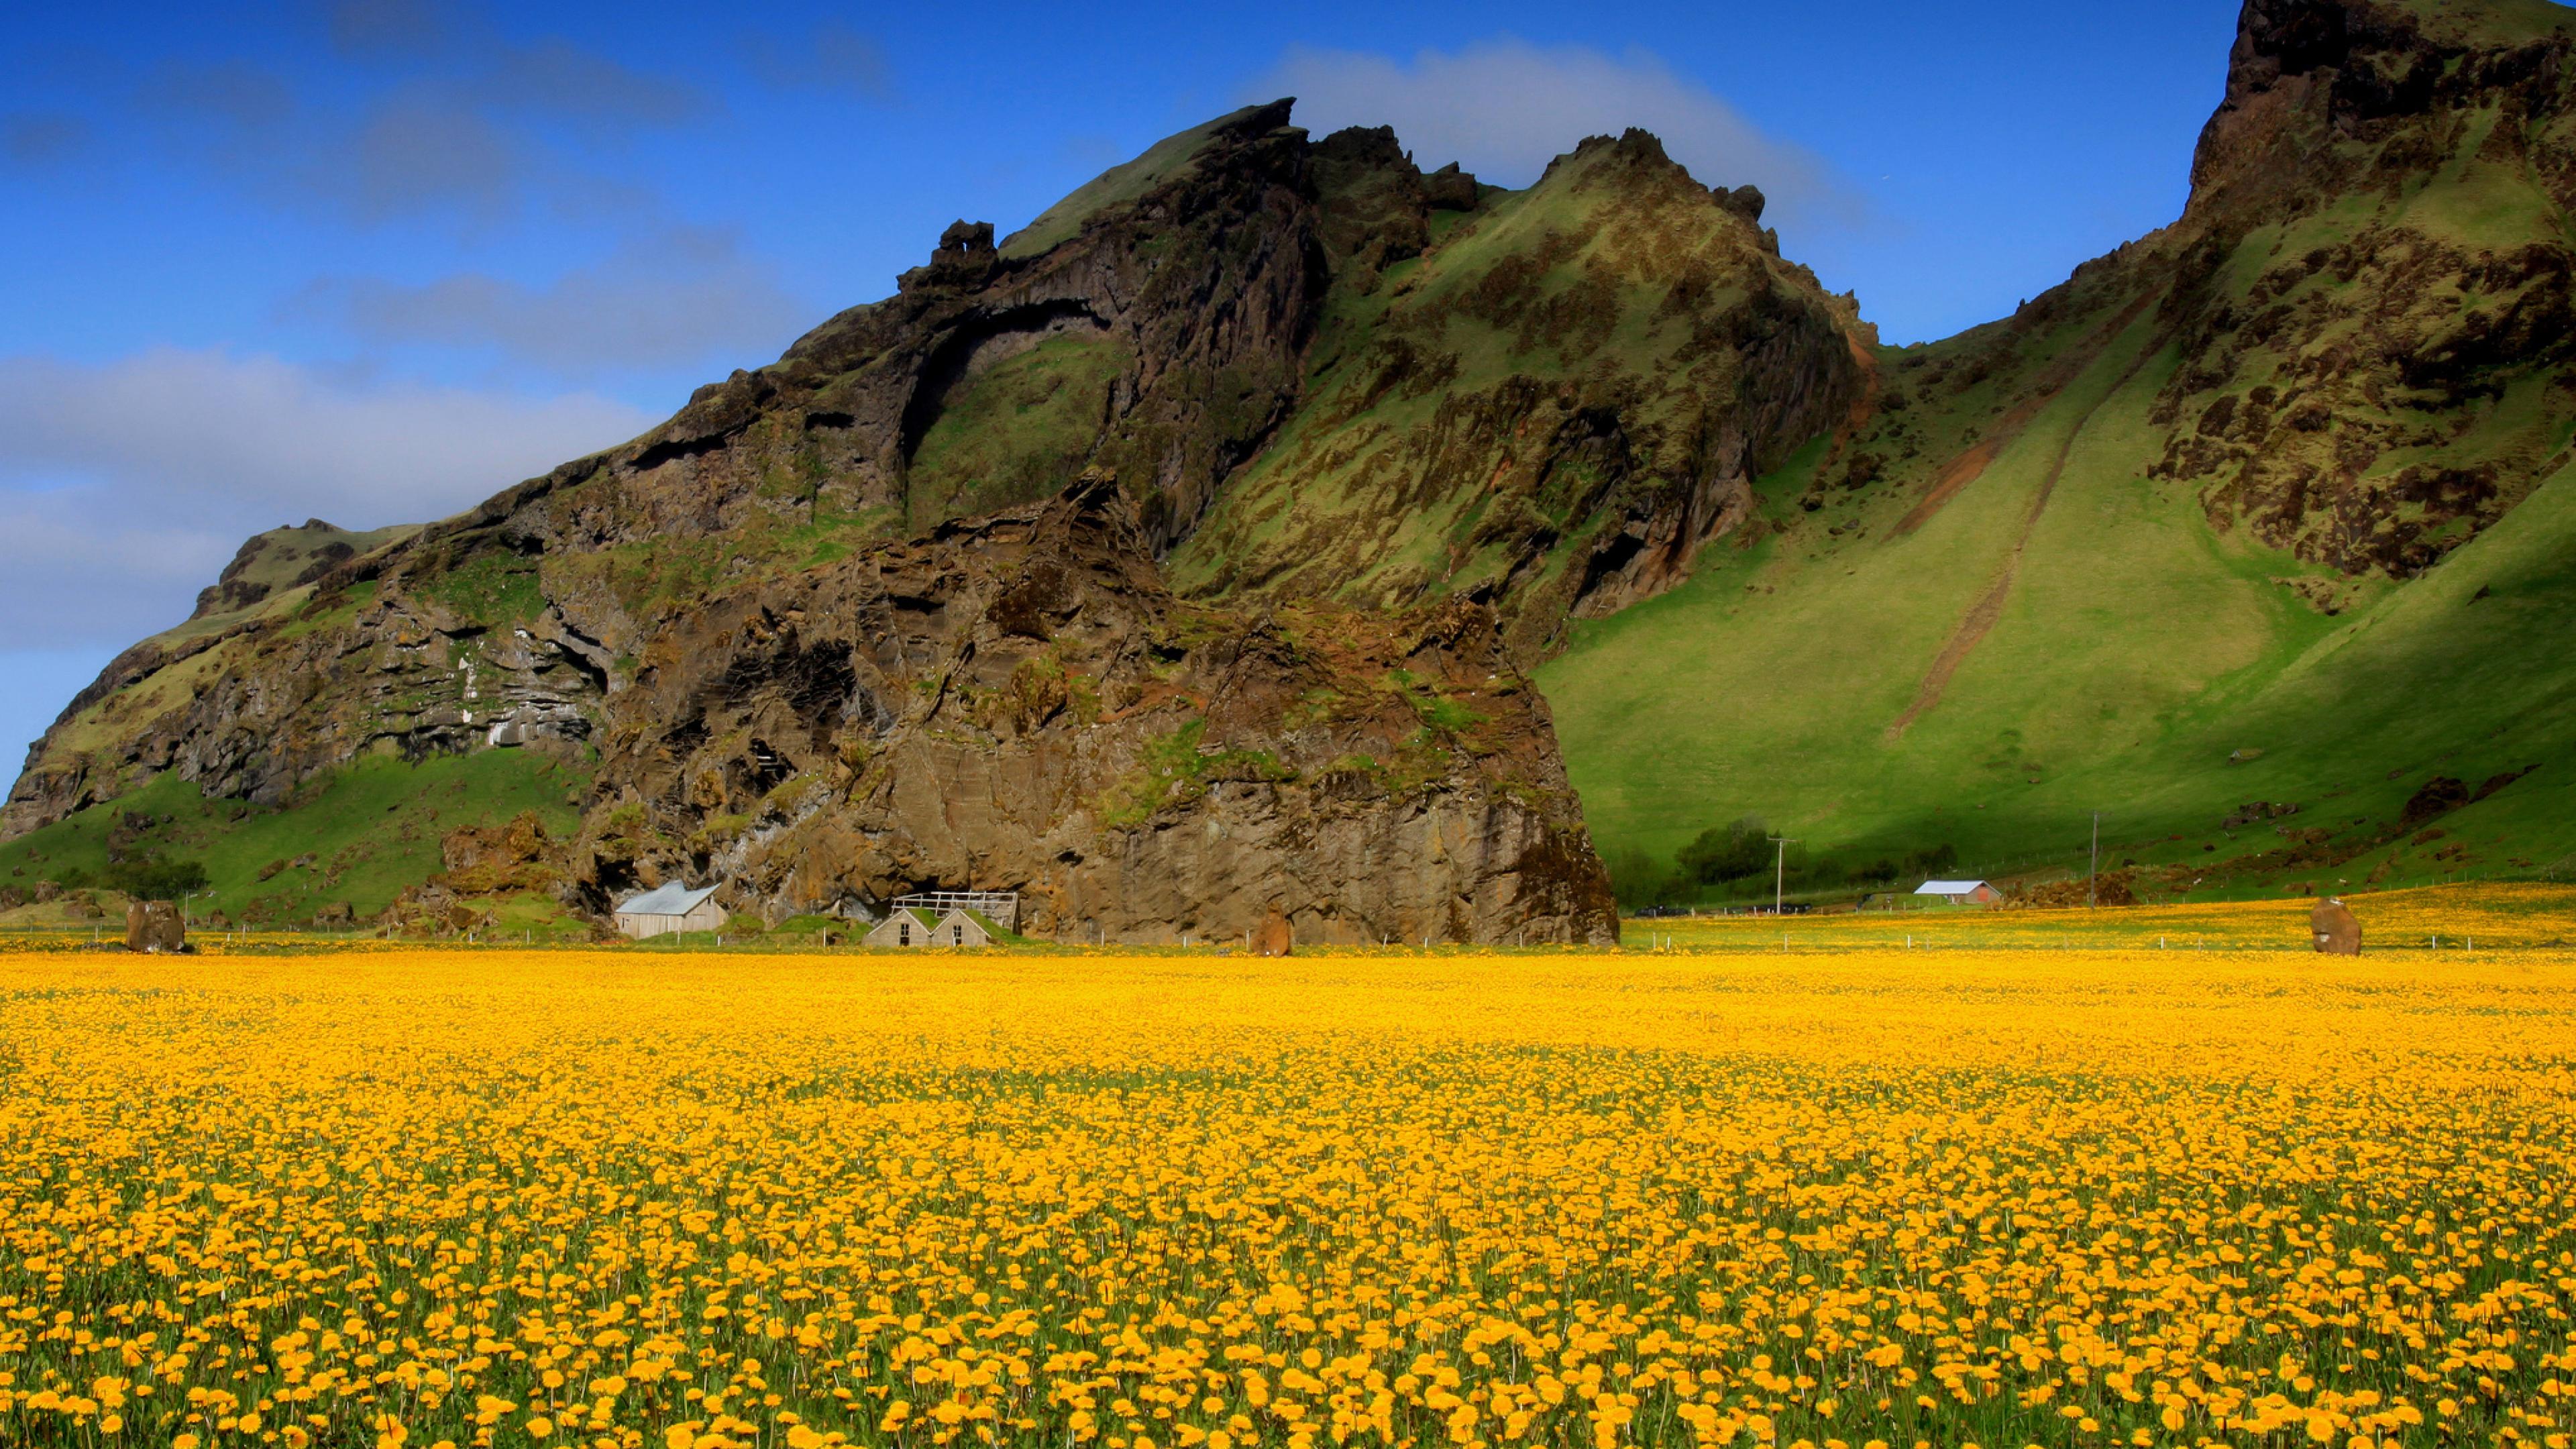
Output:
(670, 907)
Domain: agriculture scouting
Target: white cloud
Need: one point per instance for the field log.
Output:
(1504, 108)
(686, 295)
(125, 486)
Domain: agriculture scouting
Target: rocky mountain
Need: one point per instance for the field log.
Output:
(1384, 771)
(1550, 405)
(1321, 450)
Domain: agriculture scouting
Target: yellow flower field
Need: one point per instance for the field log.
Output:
(657, 1199)
(2487, 914)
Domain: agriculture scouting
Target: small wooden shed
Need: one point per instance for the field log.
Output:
(1961, 892)
(670, 907)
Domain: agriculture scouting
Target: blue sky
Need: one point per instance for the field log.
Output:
(373, 261)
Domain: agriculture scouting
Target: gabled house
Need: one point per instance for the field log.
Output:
(921, 926)
(903, 926)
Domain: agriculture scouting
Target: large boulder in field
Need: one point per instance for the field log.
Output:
(2336, 930)
(154, 926)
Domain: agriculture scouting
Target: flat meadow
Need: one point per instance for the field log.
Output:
(1858, 1196)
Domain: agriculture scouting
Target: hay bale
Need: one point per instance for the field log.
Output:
(2336, 930)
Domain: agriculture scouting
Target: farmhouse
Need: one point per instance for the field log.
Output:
(1961, 892)
(670, 907)
(920, 926)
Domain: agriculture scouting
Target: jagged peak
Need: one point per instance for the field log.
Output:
(1635, 147)
(1129, 180)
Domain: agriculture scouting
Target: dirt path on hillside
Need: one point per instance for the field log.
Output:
(1989, 607)
(1970, 462)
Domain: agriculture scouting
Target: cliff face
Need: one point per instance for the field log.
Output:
(1018, 702)
(1159, 339)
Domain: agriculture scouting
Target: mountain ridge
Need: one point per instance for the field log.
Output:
(2207, 487)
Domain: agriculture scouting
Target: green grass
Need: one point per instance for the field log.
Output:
(371, 829)
(1016, 433)
(490, 588)
(2136, 650)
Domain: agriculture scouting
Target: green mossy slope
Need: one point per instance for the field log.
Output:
(359, 836)
(2141, 663)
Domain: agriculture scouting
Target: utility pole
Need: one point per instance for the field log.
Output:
(2096, 871)
(1780, 877)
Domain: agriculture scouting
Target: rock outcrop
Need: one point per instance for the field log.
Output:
(1018, 703)
(154, 927)
(1552, 411)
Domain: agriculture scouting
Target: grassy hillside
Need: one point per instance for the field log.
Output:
(2064, 635)
(2257, 536)
(358, 837)
(274, 572)
(1015, 433)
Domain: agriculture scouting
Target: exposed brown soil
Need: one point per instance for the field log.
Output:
(1970, 462)
(1989, 607)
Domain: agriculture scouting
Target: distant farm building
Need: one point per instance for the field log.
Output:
(1961, 892)
(920, 925)
(947, 918)
(668, 908)
(903, 926)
